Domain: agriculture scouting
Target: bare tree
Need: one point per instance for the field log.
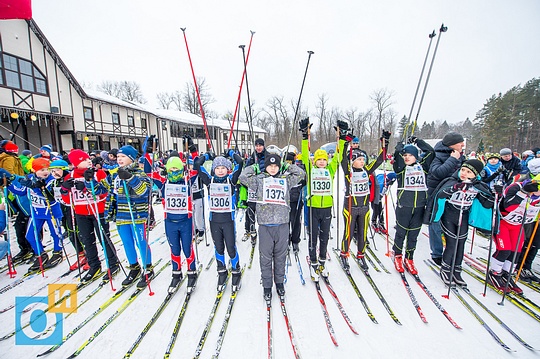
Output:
(190, 101)
(124, 90)
(382, 100)
(165, 100)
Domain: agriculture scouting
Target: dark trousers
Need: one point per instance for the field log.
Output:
(319, 228)
(67, 223)
(356, 225)
(455, 235)
(21, 222)
(295, 220)
(409, 223)
(377, 215)
(533, 250)
(88, 233)
(250, 216)
(224, 237)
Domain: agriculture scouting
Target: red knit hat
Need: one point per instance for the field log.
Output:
(11, 147)
(40, 163)
(77, 156)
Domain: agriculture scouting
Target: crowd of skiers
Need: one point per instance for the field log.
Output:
(78, 195)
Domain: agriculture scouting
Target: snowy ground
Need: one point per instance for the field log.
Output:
(246, 333)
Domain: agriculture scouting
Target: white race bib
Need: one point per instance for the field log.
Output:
(321, 182)
(220, 197)
(415, 179)
(81, 198)
(464, 199)
(252, 195)
(274, 190)
(176, 198)
(516, 216)
(37, 201)
(360, 184)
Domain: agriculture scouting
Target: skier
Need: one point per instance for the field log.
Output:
(411, 171)
(320, 175)
(383, 184)
(458, 193)
(132, 214)
(520, 205)
(297, 205)
(272, 188)
(359, 191)
(77, 192)
(221, 183)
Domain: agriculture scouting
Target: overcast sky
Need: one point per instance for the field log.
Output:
(360, 46)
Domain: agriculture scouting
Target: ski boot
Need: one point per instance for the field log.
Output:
(222, 279)
(314, 272)
(343, 258)
(280, 289)
(246, 236)
(115, 269)
(236, 280)
(322, 269)
(176, 279)
(146, 277)
(398, 263)
(382, 229)
(267, 295)
(92, 274)
(496, 279)
(295, 248)
(528, 276)
(511, 283)
(23, 255)
(458, 279)
(134, 273)
(81, 261)
(36, 265)
(445, 274)
(362, 260)
(192, 281)
(375, 227)
(253, 238)
(54, 260)
(410, 267)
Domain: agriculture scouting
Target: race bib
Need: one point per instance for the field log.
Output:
(81, 198)
(464, 199)
(252, 195)
(37, 201)
(415, 179)
(57, 195)
(321, 182)
(516, 216)
(176, 198)
(274, 190)
(360, 184)
(220, 197)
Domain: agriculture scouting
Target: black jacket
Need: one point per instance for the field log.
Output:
(443, 166)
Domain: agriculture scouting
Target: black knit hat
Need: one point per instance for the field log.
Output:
(451, 138)
(272, 159)
(476, 166)
(259, 141)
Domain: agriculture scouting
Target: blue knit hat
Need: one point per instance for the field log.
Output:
(59, 164)
(47, 148)
(129, 151)
(411, 149)
(356, 140)
(221, 161)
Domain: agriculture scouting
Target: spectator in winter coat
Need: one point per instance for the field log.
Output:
(25, 157)
(9, 159)
(448, 159)
(511, 163)
(44, 152)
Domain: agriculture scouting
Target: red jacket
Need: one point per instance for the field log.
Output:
(83, 201)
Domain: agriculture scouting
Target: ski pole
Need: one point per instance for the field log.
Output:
(529, 245)
(136, 234)
(527, 203)
(460, 220)
(492, 238)
(472, 240)
(11, 266)
(441, 30)
(36, 238)
(431, 36)
(249, 116)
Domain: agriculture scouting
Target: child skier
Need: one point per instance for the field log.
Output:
(519, 206)
(358, 191)
(320, 175)
(272, 194)
(221, 184)
(451, 205)
(384, 182)
(132, 214)
(411, 171)
(77, 192)
(176, 199)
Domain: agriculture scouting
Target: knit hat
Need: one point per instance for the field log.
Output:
(291, 156)
(222, 161)
(320, 154)
(271, 159)
(40, 163)
(356, 140)
(174, 162)
(47, 148)
(77, 156)
(505, 151)
(493, 155)
(129, 151)
(114, 152)
(358, 153)
(451, 138)
(476, 166)
(11, 147)
(534, 166)
(528, 153)
(259, 141)
(59, 164)
(27, 153)
(412, 150)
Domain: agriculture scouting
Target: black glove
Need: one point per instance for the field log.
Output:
(530, 187)
(342, 127)
(498, 188)
(226, 153)
(191, 146)
(124, 174)
(304, 126)
(69, 183)
(412, 139)
(399, 147)
(385, 138)
(79, 185)
(39, 184)
(461, 186)
(501, 169)
(210, 155)
(89, 174)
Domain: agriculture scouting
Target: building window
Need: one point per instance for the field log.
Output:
(199, 133)
(115, 118)
(143, 122)
(131, 121)
(225, 136)
(106, 146)
(88, 114)
(21, 74)
(243, 137)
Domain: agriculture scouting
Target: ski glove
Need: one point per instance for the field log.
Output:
(124, 174)
(343, 128)
(190, 144)
(69, 183)
(462, 186)
(8, 176)
(89, 174)
(304, 127)
(530, 187)
(501, 169)
(498, 188)
(412, 139)
(210, 156)
(39, 184)
(79, 185)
